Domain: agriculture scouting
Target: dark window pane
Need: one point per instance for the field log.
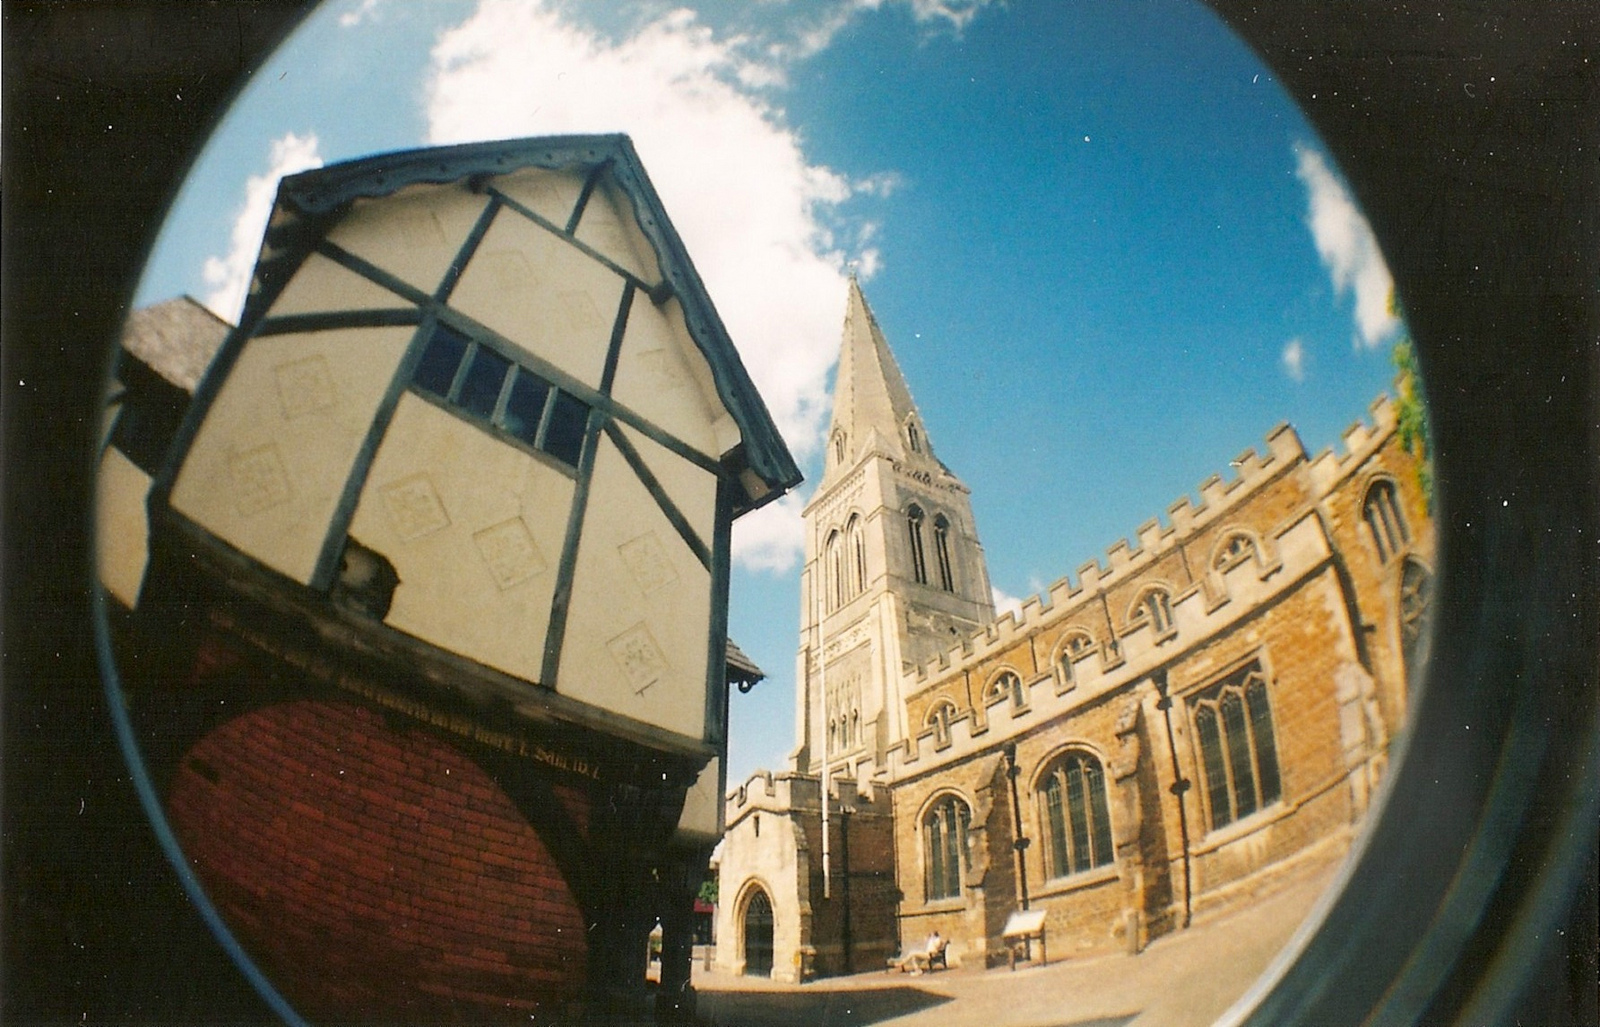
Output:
(564, 439)
(1233, 732)
(1100, 816)
(1266, 746)
(1077, 811)
(1205, 725)
(1060, 866)
(526, 405)
(440, 358)
(480, 390)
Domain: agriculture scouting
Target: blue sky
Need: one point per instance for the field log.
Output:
(1108, 251)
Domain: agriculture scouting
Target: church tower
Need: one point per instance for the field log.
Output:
(894, 572)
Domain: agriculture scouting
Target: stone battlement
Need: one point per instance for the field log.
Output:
(1218, 495)
(790, 790)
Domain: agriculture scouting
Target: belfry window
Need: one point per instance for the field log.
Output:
(1238, 749)
(1077, 819)
(941, 547)
(944, 837)
(913, 436)
(1383, 516)
(833, 571)
(486, 385)
(857, 554)
(919, 559)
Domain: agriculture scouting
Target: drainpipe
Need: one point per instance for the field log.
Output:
(1020, 844)
(1180, 785)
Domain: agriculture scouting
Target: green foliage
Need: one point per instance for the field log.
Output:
(708, 891)
(1411, 410)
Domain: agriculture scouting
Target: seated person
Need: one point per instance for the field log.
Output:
(924, 958)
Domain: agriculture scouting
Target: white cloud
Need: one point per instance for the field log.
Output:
(363, 11)
(756, 216)
(772, 538)
(228, 276)
(1347, 247)
(1005, 603)
(1294, 360)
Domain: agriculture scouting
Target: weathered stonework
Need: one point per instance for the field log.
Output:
(1221, 696)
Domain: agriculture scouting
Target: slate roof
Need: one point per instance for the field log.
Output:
(176, 338)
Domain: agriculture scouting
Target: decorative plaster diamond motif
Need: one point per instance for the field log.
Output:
(648, 562)
(305, 386)
(637, 653)
(259, 479)
(509, 553)
(414, 507)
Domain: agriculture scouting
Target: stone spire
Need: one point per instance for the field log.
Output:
(873, 411)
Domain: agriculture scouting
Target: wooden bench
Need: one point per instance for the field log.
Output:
(938, 956)
(1022, 928)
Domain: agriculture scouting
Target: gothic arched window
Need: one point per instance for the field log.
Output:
(1416, 607)
(1238, 750)
(1006, 685)
(944, 847)
(833, 571)
(857, 546)
(1154, 606)
(838, 449)
(919, 560)
(1077, 819)
(1075, 646)
(939, 718)
(941, 547)
(914, 436)
(1388, 525)
(1238, 548)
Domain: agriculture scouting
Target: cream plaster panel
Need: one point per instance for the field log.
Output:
(702, 807)
(550, 194)
(608, 225)
(322, 285)
(269, 464)
(543, 294)
(637, 630)
(663, 377)
(122, 532)
(693, 490)
(413, 234)
(474, 527)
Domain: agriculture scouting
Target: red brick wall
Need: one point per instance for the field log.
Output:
(376, 873)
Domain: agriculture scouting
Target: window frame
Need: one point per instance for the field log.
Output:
(495, 420)
(1229, 744)
(1063, 852)
(943, 882)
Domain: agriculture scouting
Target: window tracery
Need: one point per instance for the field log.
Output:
(1075, 814)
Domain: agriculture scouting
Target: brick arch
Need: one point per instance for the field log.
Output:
(376, 873)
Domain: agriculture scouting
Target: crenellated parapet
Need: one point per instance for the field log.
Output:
(1219, 496)
(1282, 552)
(783, 792)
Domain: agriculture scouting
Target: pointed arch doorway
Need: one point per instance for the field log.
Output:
(758, 935)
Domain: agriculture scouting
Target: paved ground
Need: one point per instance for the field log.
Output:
(1189, 977)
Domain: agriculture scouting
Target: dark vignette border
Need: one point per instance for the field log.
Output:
(1470, 134)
